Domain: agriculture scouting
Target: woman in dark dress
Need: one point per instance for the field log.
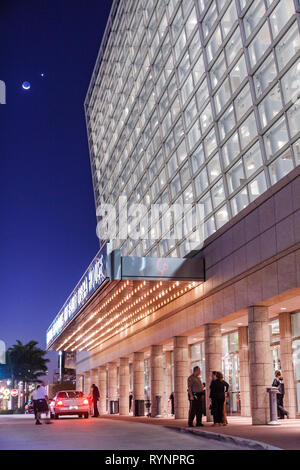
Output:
(217, 396)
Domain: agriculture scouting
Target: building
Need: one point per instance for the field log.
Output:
(193, 103)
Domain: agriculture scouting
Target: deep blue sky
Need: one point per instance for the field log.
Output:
(47, 213)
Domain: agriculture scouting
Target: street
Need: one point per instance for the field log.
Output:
(18, 432)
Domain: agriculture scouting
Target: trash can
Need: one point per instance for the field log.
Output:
(114, 407)
(139, 407)
(158, 406)
(272, 391)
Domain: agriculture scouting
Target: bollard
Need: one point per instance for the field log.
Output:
(272, 391)
(158, 406)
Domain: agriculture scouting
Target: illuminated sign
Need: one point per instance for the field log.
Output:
(92, 279)
(14, 392)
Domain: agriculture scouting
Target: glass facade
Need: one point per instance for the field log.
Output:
(194, 101)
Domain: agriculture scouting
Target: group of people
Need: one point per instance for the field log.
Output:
(196, 393)
(217, 395)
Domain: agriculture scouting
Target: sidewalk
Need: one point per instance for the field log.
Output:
(286, 436)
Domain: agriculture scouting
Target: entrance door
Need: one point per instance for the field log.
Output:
(231, 368)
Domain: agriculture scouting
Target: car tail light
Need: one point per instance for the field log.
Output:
(85, 402)
(59, 403)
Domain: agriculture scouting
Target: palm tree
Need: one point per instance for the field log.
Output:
(26, 363)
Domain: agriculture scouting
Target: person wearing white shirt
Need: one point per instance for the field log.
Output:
(40, 404)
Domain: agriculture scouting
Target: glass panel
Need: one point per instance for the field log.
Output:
(296, 148)
(288, 46)
(276, 137)
(260, 44)
(253, 160)
(231, 149)
(238, 74)
(291, 83)
(228, 20)
(214, 168)
(239, 202)
(257, 186)
(233, 46)
(281, 167)
(209, 19)
(270, 106)
(218, 193)
(281, 15)
(218, 70)
(198, 158)
(214, 44)
(236, 176)
(248, 130)
(293, 115)
(253, 16)
(201, 182)
(265, 75)
(227, 122)
(222, 217)
(243, 102)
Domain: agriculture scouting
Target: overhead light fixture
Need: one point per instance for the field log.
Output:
(283, 308)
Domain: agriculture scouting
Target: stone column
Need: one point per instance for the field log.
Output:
(181, 374)
(260, 367)
(244, 371)
(94, 376)
(213, 358)
(87, 382)
(112, 382)
(138, 378)
(156, 378)
(79, 382)
(124, 386)
(168, 379)
(102, 387)
(286, 361)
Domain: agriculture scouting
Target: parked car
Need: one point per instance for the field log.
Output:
(29, 407)
(69, 402)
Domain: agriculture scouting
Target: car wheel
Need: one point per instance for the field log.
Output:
(56, 416)
(86, 415)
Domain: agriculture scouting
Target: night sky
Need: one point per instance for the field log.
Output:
(47, 213)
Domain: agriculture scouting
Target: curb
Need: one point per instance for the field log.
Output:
(250, 444)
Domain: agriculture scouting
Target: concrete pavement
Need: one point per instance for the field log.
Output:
(18, 432)
(286, 436)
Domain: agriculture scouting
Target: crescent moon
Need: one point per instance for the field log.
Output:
(26, 85)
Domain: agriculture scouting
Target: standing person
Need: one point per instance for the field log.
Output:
(195, 392)
(34, 397)
(217, 396)
(226, 388)
(95, 395)
(41, 398)
(172, 400)
(204, 399)
(130, 401)
(278, 382)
